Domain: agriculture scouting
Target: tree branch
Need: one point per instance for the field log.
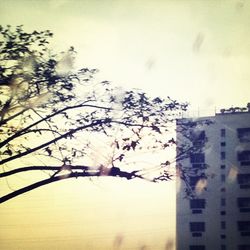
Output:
(20, 132)
(69, 133)
(65, 135)
(12, 117)
(35, 168)
(114, 172)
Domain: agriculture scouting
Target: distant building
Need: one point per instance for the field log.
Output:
(217, 171)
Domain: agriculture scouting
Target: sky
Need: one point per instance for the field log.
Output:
(191, 50)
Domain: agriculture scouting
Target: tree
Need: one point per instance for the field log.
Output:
(53, 116)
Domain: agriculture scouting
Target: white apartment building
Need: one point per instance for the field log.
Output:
(217, 172)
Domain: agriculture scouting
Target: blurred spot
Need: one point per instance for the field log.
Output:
(178, 184)
(104, 171)
(232, 174)
(212, 175)
(178, 179)
(198, 42)
(239, 148)
(119, 95)
(239, 5)
(64, 174)
(227, 52)
(58, 4)
(65, 64)
(118, 241)
(150, 63)
(38, 100)
(200, 186)
(144, 247)
(169, 245)
(207, 148)
(209, 101)
(28, 64)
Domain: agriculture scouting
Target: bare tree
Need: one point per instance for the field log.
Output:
(54, 117)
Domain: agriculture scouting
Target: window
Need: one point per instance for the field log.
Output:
(223, 189)
(193, 180)
(198, 166)
(244, 204)
(222, 166)
(196, 211)
(223, 247)
(244, 228)
(223, 225)
(198, 138)
(244, 157)
(223, 202)
(223, 144)
(197, 226)
(223, 212)
(245, 163)
(196, 234)
(223, 178)
(197, 158)
(197, 203)
(222, 155)
(223, 236)
(244, 247)
(223, 132)
(243, 134)
(244, 180)
(197, 247)
(198, 135)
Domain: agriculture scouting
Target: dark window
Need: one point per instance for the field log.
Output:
(244, 204)
(197, 203)
(244, 157)
(197, 158)
(223, 236)
(244, 180)
(222, 155)
(197, 247)
(223, 166)
(245, 163)
(223, 225)
(223, 189)
(223, 247)
(198, 166)
(223, 178)
(223, 144)
(223, 212)
(244, 226)
(197, 234)
(223, 132)
(245, 233)
(197, 226)
(198, 138)
(197, 211)
(223, 202)
(244, 247)
(193, 180)
(244, 134)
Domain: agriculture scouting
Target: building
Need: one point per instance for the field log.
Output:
(213, 194)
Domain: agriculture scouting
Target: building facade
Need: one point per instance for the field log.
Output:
(213, 193)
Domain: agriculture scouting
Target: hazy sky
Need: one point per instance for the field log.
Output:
(196, 51)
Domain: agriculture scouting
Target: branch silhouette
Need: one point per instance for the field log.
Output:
(51, 111)
(87, 172)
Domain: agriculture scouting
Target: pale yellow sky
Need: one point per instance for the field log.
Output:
(200, 48)
(196, 51)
